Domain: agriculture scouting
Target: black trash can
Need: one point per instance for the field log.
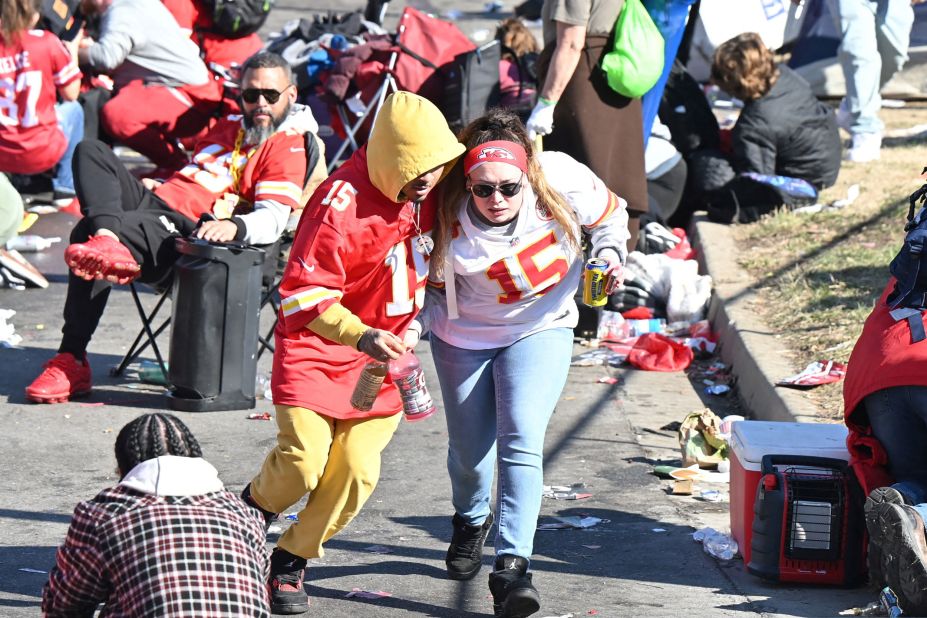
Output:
(214, 332)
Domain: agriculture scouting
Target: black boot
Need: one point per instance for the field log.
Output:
(287, 595)
(465, 554)
(269, 516)
(513, 594)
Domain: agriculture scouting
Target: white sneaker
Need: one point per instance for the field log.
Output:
(20, 267)
(864, 147)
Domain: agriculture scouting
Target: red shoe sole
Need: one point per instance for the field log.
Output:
(57, 398)
(90, 264)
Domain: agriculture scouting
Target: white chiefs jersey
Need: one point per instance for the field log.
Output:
(510, 285)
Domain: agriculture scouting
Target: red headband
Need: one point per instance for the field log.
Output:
(499, 151)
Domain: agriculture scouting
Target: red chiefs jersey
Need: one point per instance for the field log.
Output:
(353, 246)
(32, 68)
(275, 170)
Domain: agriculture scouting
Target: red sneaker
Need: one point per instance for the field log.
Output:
(102, 257)
(64, 377)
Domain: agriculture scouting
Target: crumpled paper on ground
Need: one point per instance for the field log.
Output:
(700, 439)
(8, 336)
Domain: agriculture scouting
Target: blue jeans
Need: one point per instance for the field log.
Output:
(898, 417)
(71, 122)
(497, 403)
(874, 46)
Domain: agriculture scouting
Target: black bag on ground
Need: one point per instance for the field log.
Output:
(471, 85)
(909, 268)
(214, 332)
(238, 18)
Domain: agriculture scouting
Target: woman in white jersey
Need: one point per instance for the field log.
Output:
(507, 255)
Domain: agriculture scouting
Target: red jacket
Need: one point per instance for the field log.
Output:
(883, 357)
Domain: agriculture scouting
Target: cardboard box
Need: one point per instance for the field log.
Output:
(750, 440)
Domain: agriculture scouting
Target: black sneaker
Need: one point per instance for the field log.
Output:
(881, 570)
(513, 593)
(465, 554)
(287, 595)
(269, 516)
(903, 538)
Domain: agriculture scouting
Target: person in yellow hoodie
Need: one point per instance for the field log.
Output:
(354, 282)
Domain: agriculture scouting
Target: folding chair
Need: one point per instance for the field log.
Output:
(423, 44)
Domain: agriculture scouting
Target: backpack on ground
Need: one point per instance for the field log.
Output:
(238, 18)
(909, 268)
(471, 85)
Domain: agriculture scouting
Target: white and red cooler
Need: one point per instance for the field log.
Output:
(751, 440)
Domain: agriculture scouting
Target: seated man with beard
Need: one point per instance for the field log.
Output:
(246, 175)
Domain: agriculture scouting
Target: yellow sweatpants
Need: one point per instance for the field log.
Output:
(337, 462)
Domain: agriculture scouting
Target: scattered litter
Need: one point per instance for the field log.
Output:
(67, 416)
(607, 380)
(8, 336)
(565, 492)
(575, 521)
(39, 327)
(378, 549)
(493, 7)
(716, 543)
(718, 389)
(150, 372)
(42, 209)
(852, 196)
(592, 546)
(478, 36)
(600, 356)
(710, 495)
(95, 404)
(28, 243)
(264, 416)
(674, 426)
(658, 530)
(887, 605)
(815, 374)
(368, 594)
(700, 439)
(682, 487)
(28, 570)
(108, 430)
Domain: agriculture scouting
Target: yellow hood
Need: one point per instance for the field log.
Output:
(410, 137)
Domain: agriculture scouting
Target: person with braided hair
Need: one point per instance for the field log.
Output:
(168, 539)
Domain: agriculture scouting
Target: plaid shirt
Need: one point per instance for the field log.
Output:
(153, 555)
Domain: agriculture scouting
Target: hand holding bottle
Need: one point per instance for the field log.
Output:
(381, 345)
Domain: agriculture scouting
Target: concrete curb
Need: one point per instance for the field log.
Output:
(757, 359)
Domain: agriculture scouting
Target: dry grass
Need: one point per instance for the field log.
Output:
(818, 275)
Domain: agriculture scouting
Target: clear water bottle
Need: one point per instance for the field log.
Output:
(408, 376)
(368, 385)
(30, 243)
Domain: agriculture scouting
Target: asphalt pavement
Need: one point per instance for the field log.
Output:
(606, 435)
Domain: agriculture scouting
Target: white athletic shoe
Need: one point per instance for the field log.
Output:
(864, 147)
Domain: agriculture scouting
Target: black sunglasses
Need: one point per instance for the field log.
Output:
(251, 95)
(507, 189)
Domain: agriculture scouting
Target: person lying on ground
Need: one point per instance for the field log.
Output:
(248, 174)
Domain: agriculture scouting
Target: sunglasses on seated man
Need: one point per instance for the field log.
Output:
(270, 95)
(507, 189)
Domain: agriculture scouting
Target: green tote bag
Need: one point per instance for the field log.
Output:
(635, 63)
